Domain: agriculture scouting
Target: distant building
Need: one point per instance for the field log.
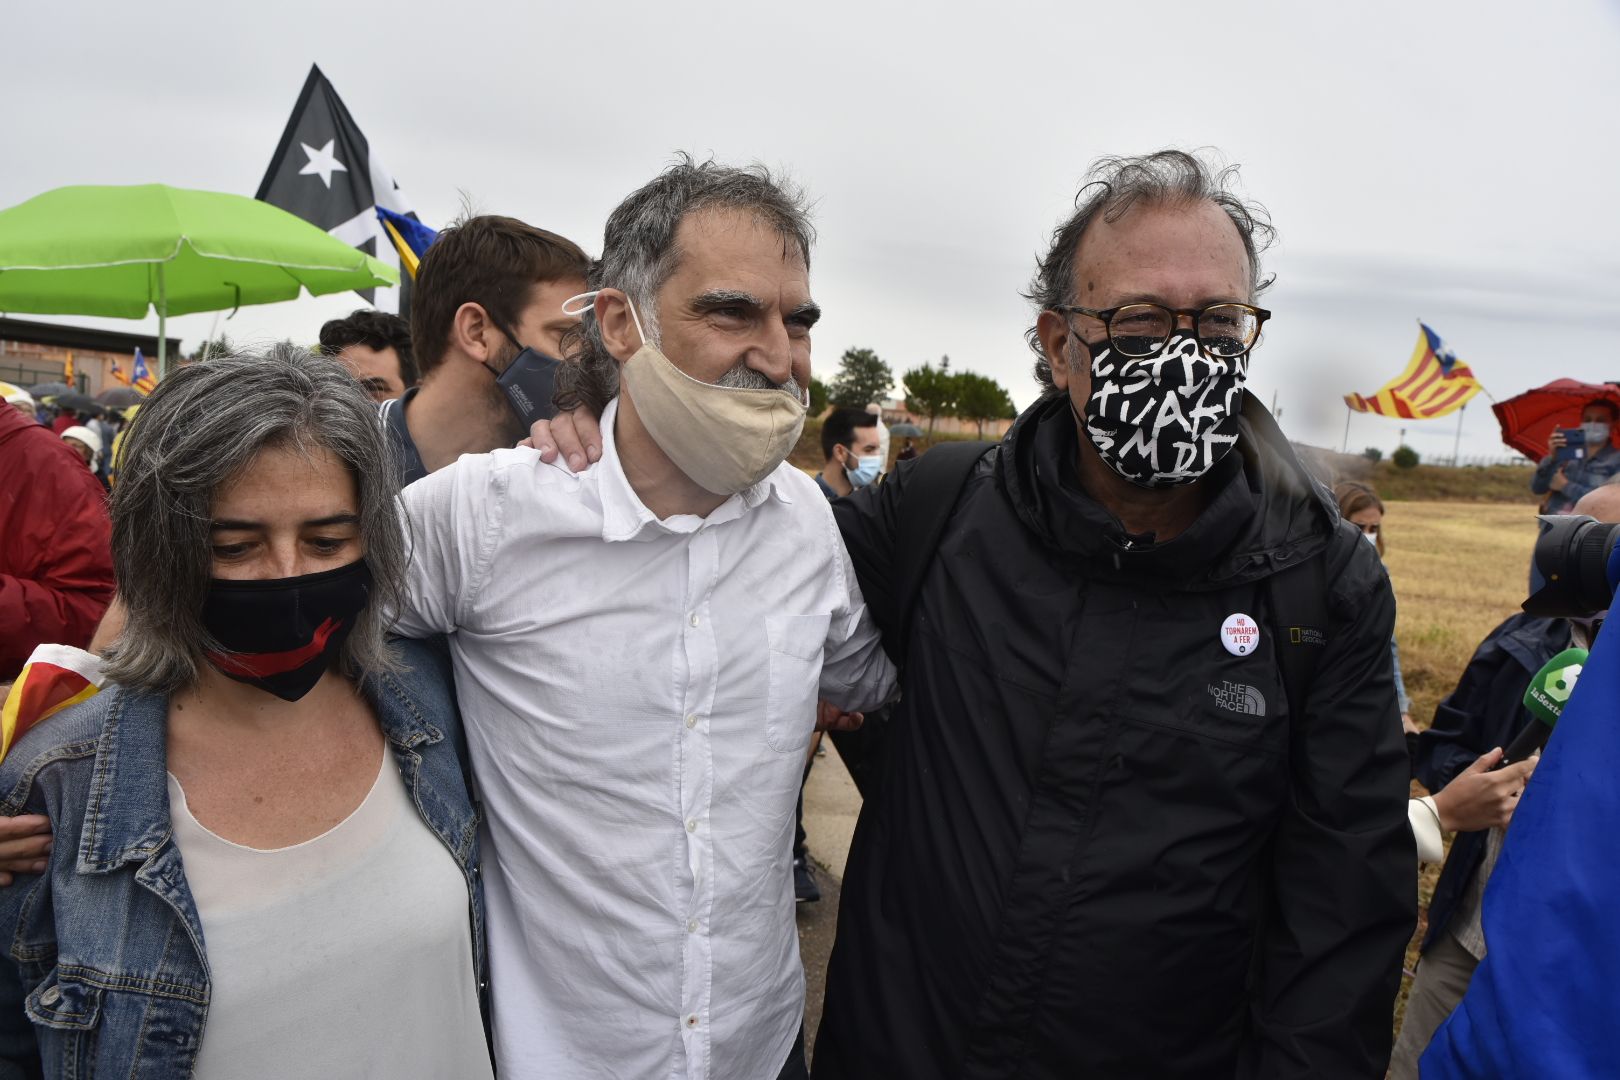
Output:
(33, 353)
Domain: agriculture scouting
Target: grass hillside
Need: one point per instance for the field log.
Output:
(1471, 483)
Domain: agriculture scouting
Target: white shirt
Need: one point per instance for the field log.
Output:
(349, 955)
(638, 695)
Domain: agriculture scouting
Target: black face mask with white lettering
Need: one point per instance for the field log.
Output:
(1164, 419)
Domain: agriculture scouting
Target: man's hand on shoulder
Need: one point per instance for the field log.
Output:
(575, 436)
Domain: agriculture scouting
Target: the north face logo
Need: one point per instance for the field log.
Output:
(1239, 698)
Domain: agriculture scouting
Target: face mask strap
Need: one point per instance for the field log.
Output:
(587, 299)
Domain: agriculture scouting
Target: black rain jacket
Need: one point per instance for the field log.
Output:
(1101, 846)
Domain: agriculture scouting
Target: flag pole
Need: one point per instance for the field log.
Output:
(1344, 446)
(1456, 447)
(163, 325)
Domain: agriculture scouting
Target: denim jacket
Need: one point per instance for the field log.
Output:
(107, 941)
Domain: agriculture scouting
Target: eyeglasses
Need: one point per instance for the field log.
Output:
(1224, 330)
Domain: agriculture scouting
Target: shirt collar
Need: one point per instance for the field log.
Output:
(625, 517)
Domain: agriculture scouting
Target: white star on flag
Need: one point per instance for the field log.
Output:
(322, 162)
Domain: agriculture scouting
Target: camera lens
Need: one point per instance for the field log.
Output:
(1572, 555)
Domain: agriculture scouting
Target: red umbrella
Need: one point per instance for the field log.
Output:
(1528, 419)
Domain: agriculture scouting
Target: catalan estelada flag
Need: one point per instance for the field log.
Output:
(411, 238)
(68, 375)
(55, 677)
(1434, 383)
(144, 382)
(118, 373)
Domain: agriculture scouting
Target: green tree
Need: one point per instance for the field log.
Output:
(818, 396)
(1373, 453)
(932, 391)
(1404, 457)
(981, 399)
(862, 379)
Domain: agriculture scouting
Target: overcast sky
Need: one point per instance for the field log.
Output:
(1457, 162)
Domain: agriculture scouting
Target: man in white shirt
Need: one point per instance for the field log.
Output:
(639, 649)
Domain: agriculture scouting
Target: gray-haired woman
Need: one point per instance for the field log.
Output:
(265, 859)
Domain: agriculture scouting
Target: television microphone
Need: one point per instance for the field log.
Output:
(1545, 698)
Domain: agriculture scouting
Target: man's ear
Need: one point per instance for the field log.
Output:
(617, 324)
(1054, 333)
(473, 332)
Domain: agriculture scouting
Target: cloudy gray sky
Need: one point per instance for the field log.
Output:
(1452, 161)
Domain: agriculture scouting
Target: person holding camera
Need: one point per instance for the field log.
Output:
(1565, 480)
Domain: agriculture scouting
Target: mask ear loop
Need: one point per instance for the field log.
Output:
(587, 299)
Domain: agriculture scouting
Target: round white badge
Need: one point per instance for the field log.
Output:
(1240, 634)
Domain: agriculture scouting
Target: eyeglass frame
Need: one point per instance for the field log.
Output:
(1106, 317)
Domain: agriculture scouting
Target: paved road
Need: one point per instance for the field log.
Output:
(831, 804)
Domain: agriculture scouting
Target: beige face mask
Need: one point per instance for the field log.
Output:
(727, 439)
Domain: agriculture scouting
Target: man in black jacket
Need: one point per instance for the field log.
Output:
(1106, 842)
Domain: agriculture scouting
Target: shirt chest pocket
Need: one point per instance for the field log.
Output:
(796, 644)
(67, 1013)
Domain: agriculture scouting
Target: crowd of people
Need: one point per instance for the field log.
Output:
(421, 753)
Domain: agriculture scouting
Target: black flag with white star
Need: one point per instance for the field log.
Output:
(325, 172)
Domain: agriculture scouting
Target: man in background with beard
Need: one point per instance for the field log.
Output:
(488, 287)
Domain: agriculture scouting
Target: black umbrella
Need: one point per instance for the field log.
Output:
(906, 431)
(121, 397)
(79, 403)
(50, 389)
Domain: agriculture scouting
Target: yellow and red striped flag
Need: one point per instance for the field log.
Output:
(68, 375)
(55, 677)
(1434, 383)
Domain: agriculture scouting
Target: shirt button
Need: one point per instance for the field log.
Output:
(694, 618)
(691, 720)
(52, 995)
(692, 1021)
(691, 824)
(691, 926)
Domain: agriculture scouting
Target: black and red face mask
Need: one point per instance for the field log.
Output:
(282, 635)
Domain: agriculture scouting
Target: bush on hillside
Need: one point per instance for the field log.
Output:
(1372, 453)
(1404, 457)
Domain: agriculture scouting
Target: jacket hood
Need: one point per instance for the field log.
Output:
(1267, 511)
(14, 424)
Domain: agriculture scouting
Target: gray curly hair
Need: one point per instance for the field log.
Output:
(1114, 185)
(639, 254)
(200, 429)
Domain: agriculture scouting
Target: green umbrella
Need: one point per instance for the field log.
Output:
(121, 250)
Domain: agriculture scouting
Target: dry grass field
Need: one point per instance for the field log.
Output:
(1458, 570)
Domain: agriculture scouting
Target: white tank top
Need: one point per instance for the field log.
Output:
(348, 955)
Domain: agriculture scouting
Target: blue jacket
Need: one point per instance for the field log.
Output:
(1583, 476)
(107, 942)
(1485, 710)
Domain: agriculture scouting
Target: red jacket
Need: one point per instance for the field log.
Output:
(56, 575)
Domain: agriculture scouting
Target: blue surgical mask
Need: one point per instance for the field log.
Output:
(865, 471)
